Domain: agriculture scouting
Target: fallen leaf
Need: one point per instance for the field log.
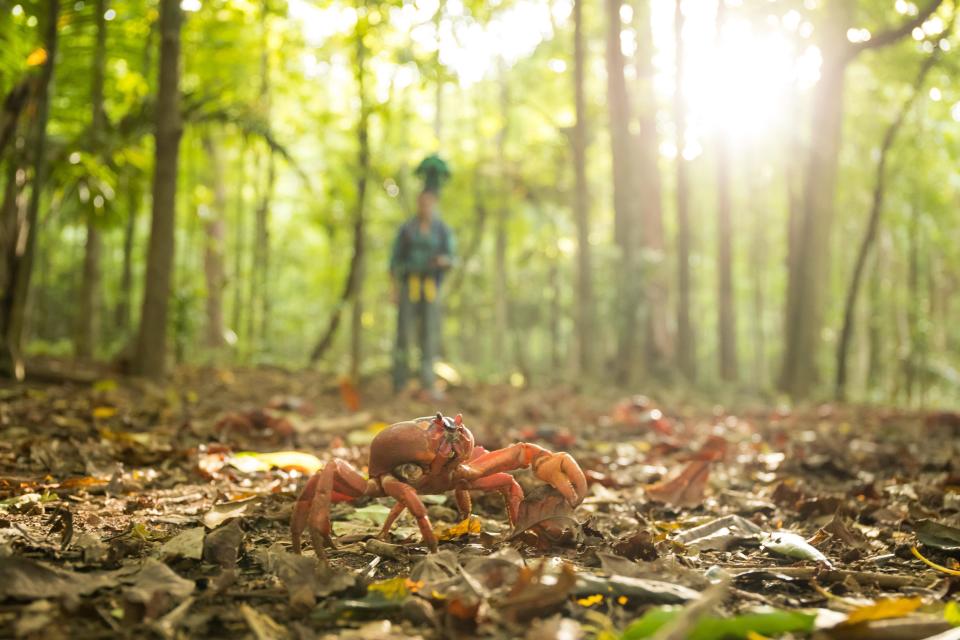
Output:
(394, 588)
(938, 536)
(102, 413)
(719, 534)
(469, 526)
(225, 510)
(30, 580)
(764, 622)
(883, 609)
(186, 544)
(263, 626)
(536, 594)
(792, 545)
(951, 613)
(222, 545)
(252, 461)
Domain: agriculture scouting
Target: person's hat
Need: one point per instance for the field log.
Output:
(434, 172)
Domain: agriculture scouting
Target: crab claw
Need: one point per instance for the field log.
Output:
(562, 472)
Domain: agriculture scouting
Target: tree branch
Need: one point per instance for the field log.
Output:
(892, 35)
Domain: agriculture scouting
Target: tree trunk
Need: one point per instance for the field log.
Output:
(125, 301)
(624, 196)
(581, 208)
(726, 313)
(650, 203)
(238, 245)
(353, 288)
(914, 338)
(686, 349)
(261, 253)
(809, 270)
(214, 228)
(875, 356)
(810, 266)
(266, 179)
(150, 356)
(501, 292)
(870, 234)
(14, 302)
(88, 326)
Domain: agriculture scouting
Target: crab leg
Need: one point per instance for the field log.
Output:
(507, 486)
(464, 503)
(407, 495)
(557, 469)
(336, 482)
(395, 512)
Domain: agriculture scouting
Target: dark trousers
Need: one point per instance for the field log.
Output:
(418, 318)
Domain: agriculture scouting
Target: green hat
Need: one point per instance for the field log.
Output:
(434, 172)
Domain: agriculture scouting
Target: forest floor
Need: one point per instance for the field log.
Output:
(128, 508)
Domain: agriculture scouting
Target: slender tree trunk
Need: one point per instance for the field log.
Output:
(870, 234)
(650, 203)
(686, 348)
(262, 252)
(875, 356)
(238, 244)
(912, 361)
(726, 312)
(14, 302)
(625, 199)
(88, 326)
(585, 305)
(267, 180)
(125, 301)
(501, 294)
(150, 357)
(438, 85)
(353, 289)
(214, 227)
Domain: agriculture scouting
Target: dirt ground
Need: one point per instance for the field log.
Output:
(132, 509)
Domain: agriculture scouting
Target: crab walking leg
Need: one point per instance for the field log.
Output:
(559, 470)
(407, 495)
(391, 518)
(508, 487)
(464, 503)
(312, 509)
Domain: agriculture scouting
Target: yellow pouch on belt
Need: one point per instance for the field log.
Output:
(413, 288)
(422, 289)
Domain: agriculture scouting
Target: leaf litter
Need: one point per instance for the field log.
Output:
(165, 511)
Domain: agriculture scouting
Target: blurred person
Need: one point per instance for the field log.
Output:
(422, 253)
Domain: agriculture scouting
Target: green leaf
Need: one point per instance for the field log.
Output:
(938, 536)
(768, 622)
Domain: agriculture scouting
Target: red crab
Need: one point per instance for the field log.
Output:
(429, 456)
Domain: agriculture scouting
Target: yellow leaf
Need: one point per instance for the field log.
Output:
(37, 57)
(466, 527)
(883, 609)
(589, 601)
(952, 613)
(101, 413)
(251, 461)
(107, 384)
(753, 635)
(395, 588)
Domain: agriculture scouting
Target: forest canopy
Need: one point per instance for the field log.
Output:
(739, 194)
